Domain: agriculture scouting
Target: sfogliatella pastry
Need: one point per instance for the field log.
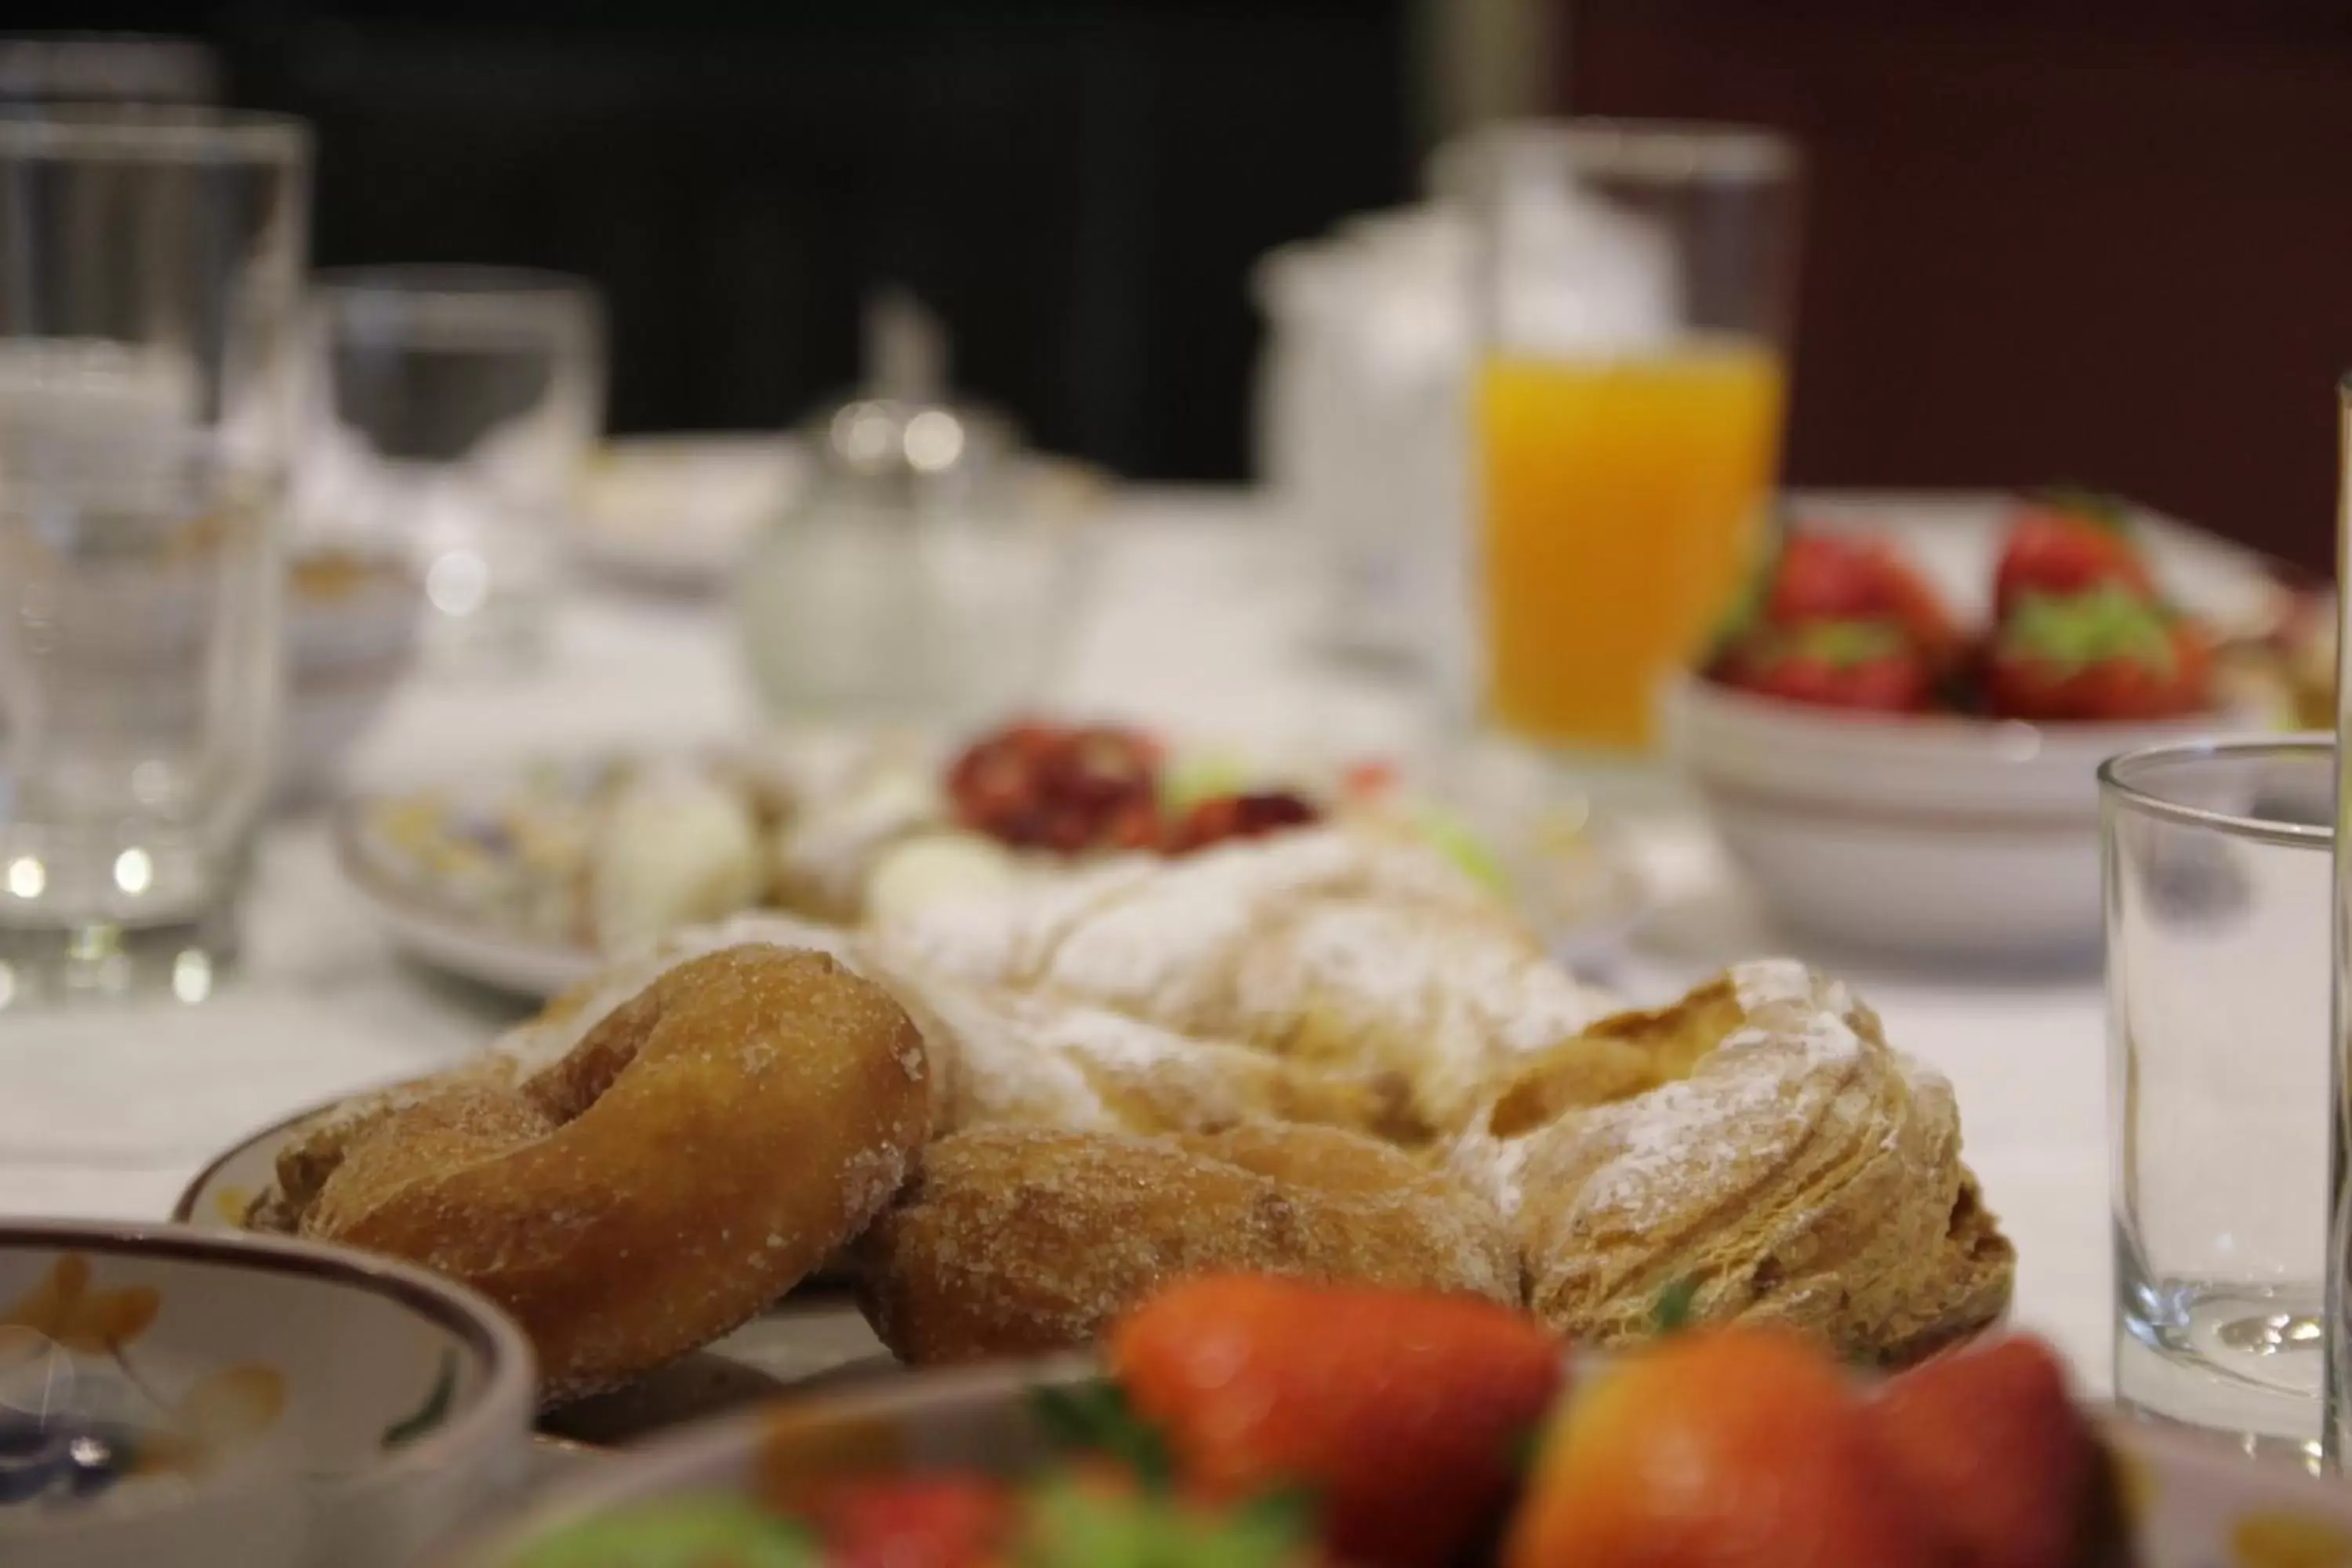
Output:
(698, 1150)
(1759, 1142)
(1339, 948)
(1015, 1240)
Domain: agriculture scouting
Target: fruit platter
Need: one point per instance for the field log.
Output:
(1239, 1421)
(529, 877)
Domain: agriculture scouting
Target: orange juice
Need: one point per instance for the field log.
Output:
(1620, 500)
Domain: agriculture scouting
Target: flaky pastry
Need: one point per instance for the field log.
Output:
(1758, 1142)
(1340, 948)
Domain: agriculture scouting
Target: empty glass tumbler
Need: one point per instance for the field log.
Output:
(150, 275)
(453, 411)
(2218, 872)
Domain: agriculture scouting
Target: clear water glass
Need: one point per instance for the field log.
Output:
(2218, 863)
(453, 411)
(149, 282)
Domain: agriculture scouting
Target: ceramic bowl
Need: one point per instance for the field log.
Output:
(172, 1397)
(1927, 836)
(2191, 1500)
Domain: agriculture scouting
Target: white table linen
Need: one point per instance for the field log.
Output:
(1200, 619)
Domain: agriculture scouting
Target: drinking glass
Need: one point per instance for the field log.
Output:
(150, 277)
(1635, 291)
(453, 410)
(2218, 857)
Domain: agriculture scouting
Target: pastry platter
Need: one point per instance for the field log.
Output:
(1090, 1115)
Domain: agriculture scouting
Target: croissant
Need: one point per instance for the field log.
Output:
(1341, 949)
(1758, 1144)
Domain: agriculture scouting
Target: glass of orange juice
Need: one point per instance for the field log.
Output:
(1636, 289)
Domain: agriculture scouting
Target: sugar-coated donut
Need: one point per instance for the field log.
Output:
(693, 1157)
(1017, 1240)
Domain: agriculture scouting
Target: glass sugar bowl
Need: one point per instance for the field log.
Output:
(915, 585)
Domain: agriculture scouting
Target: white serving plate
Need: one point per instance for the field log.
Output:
(456, 941)
(1581, 902)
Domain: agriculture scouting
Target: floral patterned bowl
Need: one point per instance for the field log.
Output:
(2189, 1500)
(169, 1396)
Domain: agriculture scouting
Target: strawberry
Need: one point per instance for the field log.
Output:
(1399, 1413)
(1866, 665)
(913, 1521)
(1992, 1453)
(2103, 654)
(1817, 577)
(1250, 814)
(1071, 789)
(2068, 545)
(1726, 1446)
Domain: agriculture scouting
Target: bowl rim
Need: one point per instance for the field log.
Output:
(700, 1443)
(509, 1389)
(2026, 738)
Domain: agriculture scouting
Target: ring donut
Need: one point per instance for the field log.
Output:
(691, 1159)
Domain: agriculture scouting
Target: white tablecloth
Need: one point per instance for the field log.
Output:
(1200, 620)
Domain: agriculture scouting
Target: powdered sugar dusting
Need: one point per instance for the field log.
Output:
(1771, 982)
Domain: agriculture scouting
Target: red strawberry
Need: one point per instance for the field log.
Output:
(2068, 545)
(1825, 577)
(2103, 654)
(913, 1521)
(1228, 816)
(1399, 1413)
(1728, 1447)
(1866, 665)
(1991, 1453)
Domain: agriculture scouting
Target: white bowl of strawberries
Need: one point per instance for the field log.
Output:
(1891, 778)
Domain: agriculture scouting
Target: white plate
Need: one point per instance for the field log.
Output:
(451, 939)
(1583, 909)
(679, 511)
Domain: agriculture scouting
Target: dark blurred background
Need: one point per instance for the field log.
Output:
(1078, 189)
(2098, 240)
(2089, 241)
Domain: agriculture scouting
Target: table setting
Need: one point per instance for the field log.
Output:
(1514, 991)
